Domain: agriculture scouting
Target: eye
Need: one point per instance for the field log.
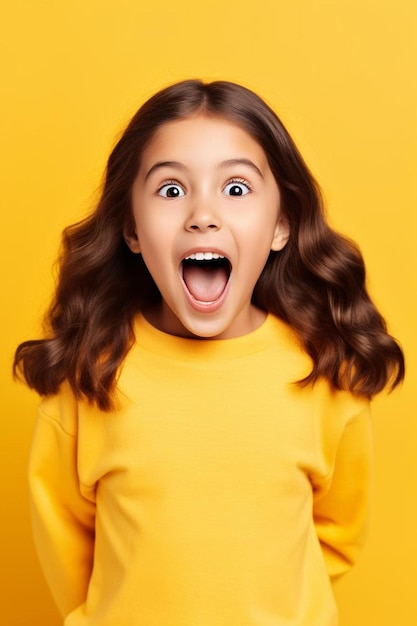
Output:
(237, 188)
(171, 189)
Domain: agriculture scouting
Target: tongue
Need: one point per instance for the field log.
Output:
(205, 284)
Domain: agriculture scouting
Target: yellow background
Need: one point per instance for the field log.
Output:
(342, 77)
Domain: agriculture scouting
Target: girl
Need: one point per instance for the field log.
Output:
(202, 453)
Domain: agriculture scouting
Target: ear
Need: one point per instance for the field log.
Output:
(131, 238)
(281, 234)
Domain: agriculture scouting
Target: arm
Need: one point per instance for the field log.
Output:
(341, 504)
(63, 518)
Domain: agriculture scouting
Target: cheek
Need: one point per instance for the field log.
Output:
(156, 224)
(155, 244)
(259, 233)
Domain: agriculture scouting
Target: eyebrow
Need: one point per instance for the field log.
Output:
(247, 162)
(222, 165)
(160, 164)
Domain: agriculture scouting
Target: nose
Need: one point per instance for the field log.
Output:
(203, 219)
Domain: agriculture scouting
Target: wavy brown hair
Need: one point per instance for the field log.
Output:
(316, 283)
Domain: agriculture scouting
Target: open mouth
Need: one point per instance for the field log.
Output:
(206, 275)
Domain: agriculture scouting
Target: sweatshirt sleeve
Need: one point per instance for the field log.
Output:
(63, 518)
(341, 504)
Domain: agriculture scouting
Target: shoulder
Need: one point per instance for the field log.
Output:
(61, 408)
(284, 335)
(286, 352)
(286, 342)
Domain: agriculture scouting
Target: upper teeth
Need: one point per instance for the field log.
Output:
(203, 256)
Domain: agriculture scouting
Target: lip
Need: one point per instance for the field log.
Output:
(198, 305)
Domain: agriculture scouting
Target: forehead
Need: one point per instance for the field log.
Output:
(202, 138)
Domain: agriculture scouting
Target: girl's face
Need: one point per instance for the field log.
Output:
(206, 212)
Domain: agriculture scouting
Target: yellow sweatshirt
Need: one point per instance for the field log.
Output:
(217, 494)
